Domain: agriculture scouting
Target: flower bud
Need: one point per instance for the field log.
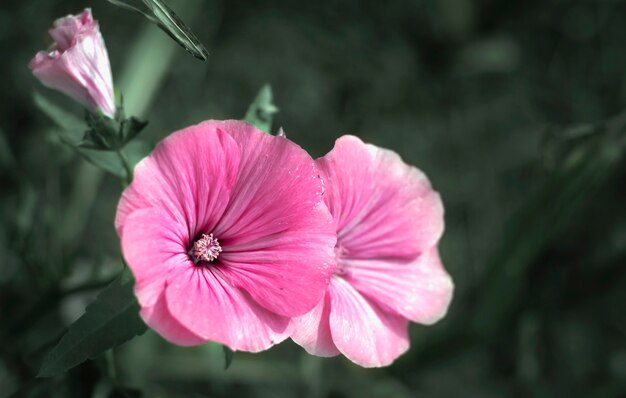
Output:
(78, 63)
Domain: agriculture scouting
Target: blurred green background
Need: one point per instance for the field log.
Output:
(514, 109)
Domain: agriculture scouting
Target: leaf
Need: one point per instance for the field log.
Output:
(171, 24)
(112, 319)
(71, 126)
(103, 133)
(110, 135)
(131, 127)
(261, 111)
(71, 130)
(61, 117)
(228, 357)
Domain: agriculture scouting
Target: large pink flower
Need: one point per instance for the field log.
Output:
(78, 63)
(225, 230)
(388, 221)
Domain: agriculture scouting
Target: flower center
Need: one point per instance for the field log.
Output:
(207, 248)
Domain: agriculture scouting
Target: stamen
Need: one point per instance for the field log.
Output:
(207, 248)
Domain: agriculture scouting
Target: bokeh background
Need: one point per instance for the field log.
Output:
(514, 109)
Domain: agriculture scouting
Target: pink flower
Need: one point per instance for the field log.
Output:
(78, 63)
(227, 235)
(388, 221)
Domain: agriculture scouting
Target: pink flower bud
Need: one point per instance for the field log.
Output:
(78, 63)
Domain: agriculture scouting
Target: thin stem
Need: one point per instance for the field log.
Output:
(109, 359)
(126, 165)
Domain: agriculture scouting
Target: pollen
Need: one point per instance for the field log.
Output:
(207, 248)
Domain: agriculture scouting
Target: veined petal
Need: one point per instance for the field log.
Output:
(312, 330)
(276, 233)
(189, 175)
(205, 303)
(420, 290)
(88, 63)
(363, 332)
(159, 318)
(382, 206)
(153, 245)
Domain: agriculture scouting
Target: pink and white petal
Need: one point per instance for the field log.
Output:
(190, 174)
(366, 334)
(277, 235)
(65, 29)
(204, 302)
(153, 247)
(89, 61)
(159, 318)
(286, 272)
(312, 330)
(54, 72)
(420, 290)
(382, 206)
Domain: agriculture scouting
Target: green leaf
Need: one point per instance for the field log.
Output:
(170, 23)
(70, 131)
(112, 319)
(71, 126)
(103, 133)
(261, 111)
(131, 127)
(108, 134)
(228, 357)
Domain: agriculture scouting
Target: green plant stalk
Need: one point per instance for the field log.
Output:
(129, 171)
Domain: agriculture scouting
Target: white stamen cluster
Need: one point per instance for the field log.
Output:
(207, 248)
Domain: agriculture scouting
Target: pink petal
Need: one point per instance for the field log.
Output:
(420, 290)
(189, 174)
(53, 70)
(363, 332)
(152, 245)
(79, 63)
(382, 206)
(159, 318)
(88, 63)
(277, 235)
(204, 302)
(312, 330)
(66, 29)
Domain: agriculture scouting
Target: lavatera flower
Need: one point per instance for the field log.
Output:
(388, 272)
(78, 63)
(225, 230)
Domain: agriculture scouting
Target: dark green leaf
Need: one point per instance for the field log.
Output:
(112, 319)
(131, 127)
(171, 24)
(228, 356)
(261, 111)
(128, 7)
(163, 16)
(103, 133)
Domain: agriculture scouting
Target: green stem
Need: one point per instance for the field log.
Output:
(126, 165)
(109, 359)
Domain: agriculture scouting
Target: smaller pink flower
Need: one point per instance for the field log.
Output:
(78, 63)
(388, 271)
